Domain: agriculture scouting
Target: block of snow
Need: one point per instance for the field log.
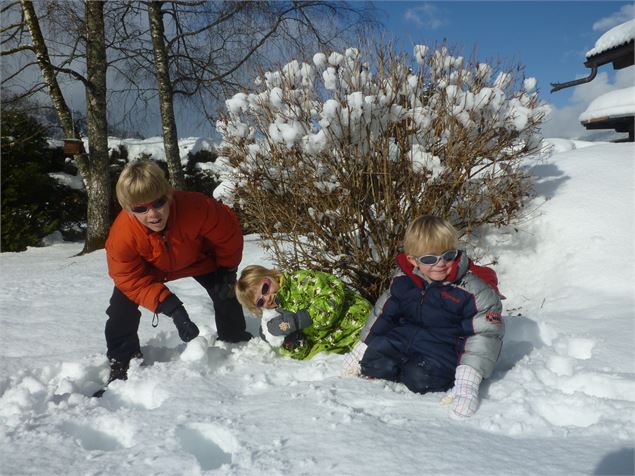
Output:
(616, 36)
(620, 102)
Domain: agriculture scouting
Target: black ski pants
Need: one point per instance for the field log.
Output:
(124, 316)
(419, 375)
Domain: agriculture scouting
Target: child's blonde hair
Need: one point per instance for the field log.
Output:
(429, 234)
(141, 182)
(248, 285)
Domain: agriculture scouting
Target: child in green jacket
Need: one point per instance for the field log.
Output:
(303, 312)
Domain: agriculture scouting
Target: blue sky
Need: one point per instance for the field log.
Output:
(549, 38)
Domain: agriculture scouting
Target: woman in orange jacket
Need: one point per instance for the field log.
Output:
(159, 236)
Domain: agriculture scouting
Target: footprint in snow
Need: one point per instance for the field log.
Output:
(211, 445)
(91, 438)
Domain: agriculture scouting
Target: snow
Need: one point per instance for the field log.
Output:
(620, 102)
(616, 36)
(71, 181)
(561, 400)
(154, 146)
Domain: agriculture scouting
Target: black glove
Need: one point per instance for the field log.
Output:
(288, 322)
(173, 308)
(224, 281)
(293, 341)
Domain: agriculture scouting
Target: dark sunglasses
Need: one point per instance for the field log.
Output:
(158, 203)
(266, 285)
(431, 260)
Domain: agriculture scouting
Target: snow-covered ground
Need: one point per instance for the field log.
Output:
(562, 400)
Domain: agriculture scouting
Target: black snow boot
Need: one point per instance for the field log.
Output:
(119, 369)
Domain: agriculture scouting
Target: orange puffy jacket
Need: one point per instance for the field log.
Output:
(201, 235)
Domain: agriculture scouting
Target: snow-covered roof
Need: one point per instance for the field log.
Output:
(618, 103)
(616, 36)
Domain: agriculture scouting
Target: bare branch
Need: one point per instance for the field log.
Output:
(8, 6)
(16, 50)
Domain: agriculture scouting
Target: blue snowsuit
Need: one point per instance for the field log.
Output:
(421, 330)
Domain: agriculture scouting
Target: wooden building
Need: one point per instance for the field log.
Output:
(616, 46)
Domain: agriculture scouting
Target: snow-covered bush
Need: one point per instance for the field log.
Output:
(331, 159)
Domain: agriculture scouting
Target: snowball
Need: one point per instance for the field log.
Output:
(331, 109)
(396, 112)
(352, 53)
(420, 53)
(335, 58)
(307, 72)
(484, 71)
(273, 79)
(281, 132)
(422, 117)
(237, 103)
(355, 100)
(452, 92)
(313, 144)
(276, 97)
(502, 80)
(319, 60)
(413, 80)
(518, 114)
(483, 97)
(330, 78)
(529, 84)
(291, 68)
(422, 161)
(195, 349)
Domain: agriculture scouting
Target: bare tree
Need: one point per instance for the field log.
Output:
(166, 95)
(39, 48)
(94, 167)
(202, 51)
(97, 176)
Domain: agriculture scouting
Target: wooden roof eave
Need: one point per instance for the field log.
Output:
(621, 57)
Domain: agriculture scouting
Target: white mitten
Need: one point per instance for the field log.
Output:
(464, 396)
(351, 360)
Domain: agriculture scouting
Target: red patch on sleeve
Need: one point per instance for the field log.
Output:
(493, 317)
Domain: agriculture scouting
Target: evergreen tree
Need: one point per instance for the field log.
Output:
(28, 193)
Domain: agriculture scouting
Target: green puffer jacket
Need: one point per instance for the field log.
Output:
(338, 312)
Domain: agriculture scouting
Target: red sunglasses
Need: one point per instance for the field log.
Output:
(266, 285)
(156, 204)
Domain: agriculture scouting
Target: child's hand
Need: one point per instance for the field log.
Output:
(464, 395)
(352, 366)
(287, 322)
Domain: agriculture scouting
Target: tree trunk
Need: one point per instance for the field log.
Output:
(166, 96)
(94, 170)
(98, 181)
(48, 73)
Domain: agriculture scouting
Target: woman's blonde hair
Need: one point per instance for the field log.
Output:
(429, 234)
(141, 182)
(248, 285)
